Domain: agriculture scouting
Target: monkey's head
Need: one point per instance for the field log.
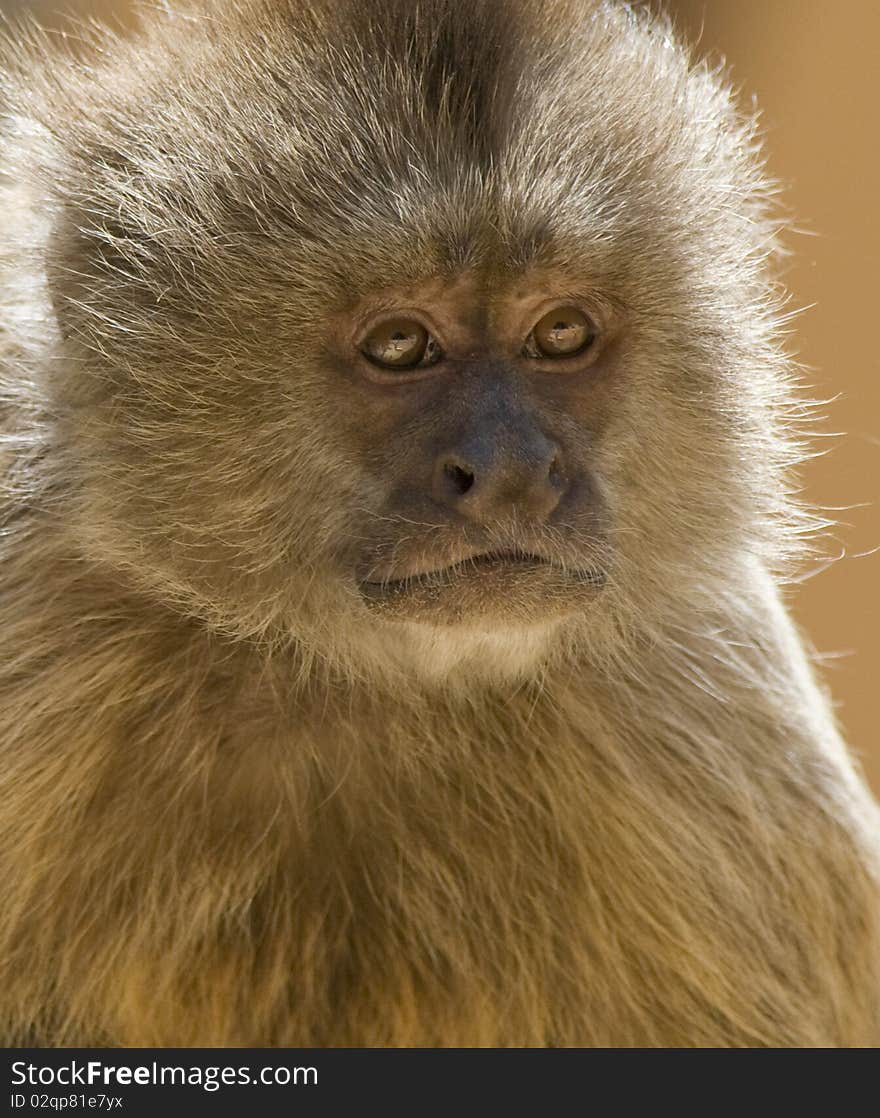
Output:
(436, 332)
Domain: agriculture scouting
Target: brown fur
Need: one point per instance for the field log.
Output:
(240, 808)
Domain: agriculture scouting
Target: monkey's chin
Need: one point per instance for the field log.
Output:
(491, 590)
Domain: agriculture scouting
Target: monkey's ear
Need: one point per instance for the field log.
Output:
(68, 228)
(44, 270)
(46, 153)
(26, 218)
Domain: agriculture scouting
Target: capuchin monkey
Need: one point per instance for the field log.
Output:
(396, 499)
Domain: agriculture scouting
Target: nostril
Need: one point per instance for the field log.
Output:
(555, 471)
(462, 480)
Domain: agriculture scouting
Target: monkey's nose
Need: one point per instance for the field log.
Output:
(487, 486)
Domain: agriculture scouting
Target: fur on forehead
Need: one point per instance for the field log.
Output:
(432, 134)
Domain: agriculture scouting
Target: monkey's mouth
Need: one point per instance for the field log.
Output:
(485, 575)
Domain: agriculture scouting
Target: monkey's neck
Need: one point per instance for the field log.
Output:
(109, 665)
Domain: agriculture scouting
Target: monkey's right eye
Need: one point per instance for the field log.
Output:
(400, 343)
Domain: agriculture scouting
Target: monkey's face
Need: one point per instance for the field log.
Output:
(473, 403)
(498, 448)
(427, 347)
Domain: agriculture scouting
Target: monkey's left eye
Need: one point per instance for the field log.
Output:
(563, 332)
(400, 343)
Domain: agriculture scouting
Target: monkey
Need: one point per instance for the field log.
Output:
(399, 500)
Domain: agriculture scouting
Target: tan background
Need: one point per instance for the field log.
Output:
(814, 67)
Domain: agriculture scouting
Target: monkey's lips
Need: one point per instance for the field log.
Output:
(507, 583)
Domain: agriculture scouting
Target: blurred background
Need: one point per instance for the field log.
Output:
(813, 68)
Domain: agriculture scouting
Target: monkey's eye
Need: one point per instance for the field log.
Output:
(562, 332)
(400, 343)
